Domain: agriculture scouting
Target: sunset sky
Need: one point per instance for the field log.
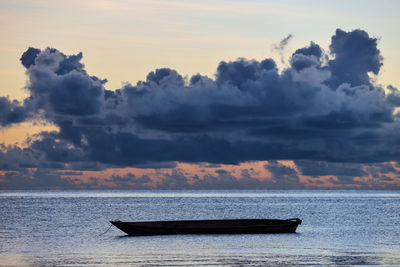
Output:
(159, 94)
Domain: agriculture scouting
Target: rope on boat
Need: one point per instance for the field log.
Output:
(106, 231)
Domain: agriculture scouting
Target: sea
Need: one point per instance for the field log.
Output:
(69, 228)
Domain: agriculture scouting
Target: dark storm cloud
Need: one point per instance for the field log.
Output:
(356, 54)
(29, 56)
(283, 176)
(312, 50)
(394, 96)
(12, 112)
(322, 107)
(46, 151)
(39, 179)
(320, 168)
(344, 172)
(16, 158)
(59, 85)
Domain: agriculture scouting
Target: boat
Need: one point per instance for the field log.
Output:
(233, 226)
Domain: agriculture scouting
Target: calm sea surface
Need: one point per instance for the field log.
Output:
(62, 228)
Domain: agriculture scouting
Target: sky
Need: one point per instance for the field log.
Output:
(153, 94)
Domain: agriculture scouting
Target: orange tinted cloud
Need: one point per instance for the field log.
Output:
(256, 170)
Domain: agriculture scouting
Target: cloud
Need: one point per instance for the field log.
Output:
(320, 168)
(353, 175)
(393, 96)
(356, 54)
(344, 173)
(176, 179)
(283, 176)
(129, 181)
(12, 112)
(322, 107)
(222, 179)
(28, 57)
(281, 47)
(38, 179)
(59, 85)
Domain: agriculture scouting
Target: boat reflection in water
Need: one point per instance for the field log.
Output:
(235, 226)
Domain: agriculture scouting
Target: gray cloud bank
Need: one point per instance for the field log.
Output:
(323, 107)
(340, 175)
(285, 178)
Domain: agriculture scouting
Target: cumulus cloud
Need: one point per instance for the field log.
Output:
(12, 112)
(59, 85)
(356, 54)
(394, 96)
(322, 107)
(283, 176)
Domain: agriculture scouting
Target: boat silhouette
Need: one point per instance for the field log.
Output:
(231, 226)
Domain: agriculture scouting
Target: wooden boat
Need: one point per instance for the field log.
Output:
(235, 226)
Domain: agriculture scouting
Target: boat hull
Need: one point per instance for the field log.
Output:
(239, 226)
